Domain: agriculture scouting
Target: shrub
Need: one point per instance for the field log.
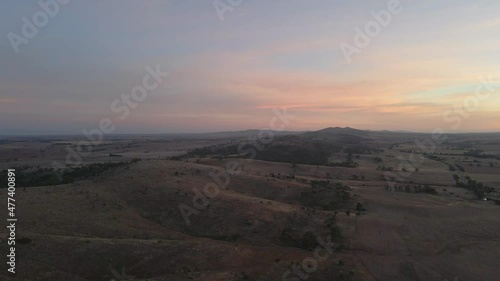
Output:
(309, 241)
(24, 241)
(360, 207)
(288, 236)
(228, 238)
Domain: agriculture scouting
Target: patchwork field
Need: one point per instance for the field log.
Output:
(194, 209)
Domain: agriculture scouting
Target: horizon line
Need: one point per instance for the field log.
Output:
(241, 131)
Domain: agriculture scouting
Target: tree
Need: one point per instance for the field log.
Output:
(287, 236)
(309, 241)
(336, 234)
(349, 157)
(360, 207)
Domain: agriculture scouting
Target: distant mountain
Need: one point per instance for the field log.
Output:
(339, 130)
(239, 134)
(335, 132)
(312, 148)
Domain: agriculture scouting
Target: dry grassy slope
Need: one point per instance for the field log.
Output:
(421, 237)
(130, 219)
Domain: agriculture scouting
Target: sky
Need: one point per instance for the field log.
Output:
(229, 66)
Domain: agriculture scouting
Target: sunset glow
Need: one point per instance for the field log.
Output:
(228, 75)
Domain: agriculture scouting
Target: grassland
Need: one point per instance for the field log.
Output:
(267, 217)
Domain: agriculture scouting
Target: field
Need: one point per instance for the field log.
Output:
(195, 207)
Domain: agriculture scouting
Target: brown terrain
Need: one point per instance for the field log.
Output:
(124, 222)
